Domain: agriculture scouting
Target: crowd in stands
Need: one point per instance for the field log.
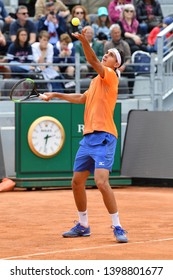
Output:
(47, 37)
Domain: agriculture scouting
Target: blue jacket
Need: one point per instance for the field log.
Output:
(3, 12)
(61, 25)
(141, 12)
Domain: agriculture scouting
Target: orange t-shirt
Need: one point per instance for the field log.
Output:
(100, 103)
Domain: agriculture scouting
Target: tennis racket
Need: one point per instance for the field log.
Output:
(24, 89)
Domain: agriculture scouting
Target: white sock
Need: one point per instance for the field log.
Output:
(83, 218)
(115, 219)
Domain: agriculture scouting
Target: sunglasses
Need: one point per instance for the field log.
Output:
(23, 14)
(129, 11)
(77, 13)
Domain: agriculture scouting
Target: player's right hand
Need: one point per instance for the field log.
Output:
(46, 96)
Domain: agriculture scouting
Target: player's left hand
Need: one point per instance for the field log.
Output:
(80, 36)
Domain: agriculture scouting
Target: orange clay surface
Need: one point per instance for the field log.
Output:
(31, 224)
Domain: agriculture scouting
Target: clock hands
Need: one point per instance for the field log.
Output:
(46, 140)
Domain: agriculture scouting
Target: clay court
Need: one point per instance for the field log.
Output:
(32, 222)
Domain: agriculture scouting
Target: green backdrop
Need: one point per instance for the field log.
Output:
(30, 166)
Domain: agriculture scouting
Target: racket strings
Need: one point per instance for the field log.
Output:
(22, 90)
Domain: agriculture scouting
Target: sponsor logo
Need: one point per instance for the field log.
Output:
(80, 128)
(101, 163)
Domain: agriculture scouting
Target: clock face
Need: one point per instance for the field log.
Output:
(46, 137)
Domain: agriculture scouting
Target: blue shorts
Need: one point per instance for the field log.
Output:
(96, 150)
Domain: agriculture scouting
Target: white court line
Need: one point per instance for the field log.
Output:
(85, 249)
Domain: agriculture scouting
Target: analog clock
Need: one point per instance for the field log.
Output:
(46, 137)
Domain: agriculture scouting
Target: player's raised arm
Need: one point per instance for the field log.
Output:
(89, 53)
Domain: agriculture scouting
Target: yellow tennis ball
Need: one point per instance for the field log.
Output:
(75, 21)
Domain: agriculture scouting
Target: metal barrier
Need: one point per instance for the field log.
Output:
(155, 87)
(77, 84)
(164, 90)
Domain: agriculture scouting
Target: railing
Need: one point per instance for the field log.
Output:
(164, 69)
(158, 81)
(79, 82)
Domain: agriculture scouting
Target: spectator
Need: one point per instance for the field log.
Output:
(64, 52)
(3, 44)
(42, 50)
(115, 8)
(4, 70)
(43, 54)
(22, 21)
(152, 37)
(129, 27)
(80, 12)
(53, 23)
(4, 17)
(122, 45)
(71, 3)
(60, 8)
(149, 14)
(102, 25)
(87, 70)
(19, 53)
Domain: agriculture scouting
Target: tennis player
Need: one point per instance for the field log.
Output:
(97, 148)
